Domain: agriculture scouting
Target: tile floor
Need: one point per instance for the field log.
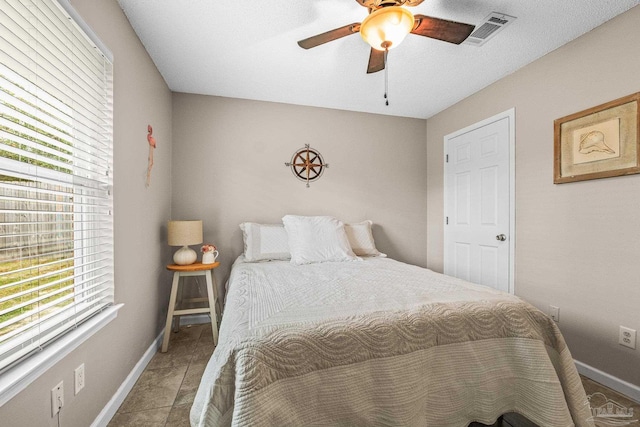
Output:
(163, 394)
(593, 389)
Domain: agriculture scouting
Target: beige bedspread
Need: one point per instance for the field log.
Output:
(381, 343)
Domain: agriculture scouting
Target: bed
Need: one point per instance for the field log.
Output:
(374, 341)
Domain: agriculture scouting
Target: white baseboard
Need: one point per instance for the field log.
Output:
(621, 386)
(111, 408)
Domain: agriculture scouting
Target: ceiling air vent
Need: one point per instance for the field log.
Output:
(491, 26)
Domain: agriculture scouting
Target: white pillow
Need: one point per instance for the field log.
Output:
(361, 239)
(264, 242)
(317, 239)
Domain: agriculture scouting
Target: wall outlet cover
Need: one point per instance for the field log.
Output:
(57, 398)
(627, 337)
(79, 378)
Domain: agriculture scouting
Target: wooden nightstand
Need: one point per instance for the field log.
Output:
(190, 270)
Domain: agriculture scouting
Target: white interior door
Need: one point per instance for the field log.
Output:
(479, 219)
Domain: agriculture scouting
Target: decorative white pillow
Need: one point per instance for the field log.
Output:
(265, 242)
(361, 239)
(317, 239)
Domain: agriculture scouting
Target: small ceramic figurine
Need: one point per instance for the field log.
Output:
(152, 146)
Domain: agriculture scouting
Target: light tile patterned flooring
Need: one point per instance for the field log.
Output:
(593, 389)
(163, 394)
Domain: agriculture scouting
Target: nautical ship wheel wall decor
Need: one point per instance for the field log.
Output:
(307, 164)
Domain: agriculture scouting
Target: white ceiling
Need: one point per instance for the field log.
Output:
(247, 49)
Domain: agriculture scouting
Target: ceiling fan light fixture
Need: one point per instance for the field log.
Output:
(386, 27)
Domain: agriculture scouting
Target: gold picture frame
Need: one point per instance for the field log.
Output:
(600, 142)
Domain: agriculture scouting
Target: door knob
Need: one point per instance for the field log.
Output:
(501, 237)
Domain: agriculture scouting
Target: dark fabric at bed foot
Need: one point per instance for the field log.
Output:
(508, 420)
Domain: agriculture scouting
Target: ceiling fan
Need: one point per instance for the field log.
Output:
(387, 25)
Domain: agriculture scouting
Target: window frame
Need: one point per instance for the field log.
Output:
(16, 378)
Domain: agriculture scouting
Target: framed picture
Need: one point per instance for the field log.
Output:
(600, 142)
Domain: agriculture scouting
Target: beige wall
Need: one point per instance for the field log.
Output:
(141, 98)
(229, 157)
(578, 244)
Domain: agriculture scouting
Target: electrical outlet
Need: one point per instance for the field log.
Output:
(627, 337)
(554, 313)
(79, 378)
(57, 398)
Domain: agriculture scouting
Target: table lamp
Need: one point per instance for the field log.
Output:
(184, 233)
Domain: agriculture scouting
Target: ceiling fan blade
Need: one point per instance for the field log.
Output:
(376, 61)
(442, 29)
(329, 36)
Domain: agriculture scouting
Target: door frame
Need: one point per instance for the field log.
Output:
(511, 116)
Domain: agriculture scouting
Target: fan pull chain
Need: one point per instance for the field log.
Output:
(386, 78)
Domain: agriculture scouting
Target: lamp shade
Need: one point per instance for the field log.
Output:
(184, 233)
(385, 28)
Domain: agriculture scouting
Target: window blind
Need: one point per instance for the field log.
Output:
(56, 151)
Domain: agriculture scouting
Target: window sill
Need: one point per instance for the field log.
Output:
(18, 378)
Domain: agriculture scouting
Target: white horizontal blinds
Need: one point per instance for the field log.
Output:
(56, 228)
